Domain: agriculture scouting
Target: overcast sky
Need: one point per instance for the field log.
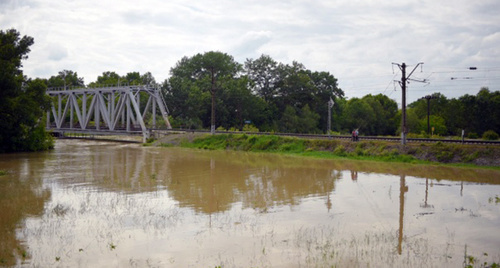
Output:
(355, 40)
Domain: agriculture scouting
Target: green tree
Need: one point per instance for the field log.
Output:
(281, 85)
(412, 121)
(385, 111)
(185, 101)
(263, 75)
(22, 101)
(148, 79)
(289, 120)
(359, 115)
(453, 114)
(438, 104)
(132, 78)
(475, 114)
(488, 110)
(338, 116)
(308, 121)
(469, 113)
(65, 79)
(210, 72)
(325, 88)
(238, 104)
(107, 79)
(436, 122)
(294, 87)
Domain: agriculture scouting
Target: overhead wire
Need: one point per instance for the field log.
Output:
(435, 79)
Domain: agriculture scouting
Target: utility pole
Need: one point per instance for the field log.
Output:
(329, 124)
(428, 98)
(403, 104)
(402, 83)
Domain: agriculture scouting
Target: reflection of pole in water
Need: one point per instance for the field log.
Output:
(354, 175)
(334, 175)
(426, 191)
(328, 202)
(213, 194)
(402, 190)
(426, 205)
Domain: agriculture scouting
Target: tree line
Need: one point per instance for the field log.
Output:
(265, 95)
(211, 90)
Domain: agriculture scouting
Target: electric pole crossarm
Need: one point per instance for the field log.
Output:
(416, 66)
(416, 80)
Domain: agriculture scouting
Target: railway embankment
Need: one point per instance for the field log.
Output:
(415, 152)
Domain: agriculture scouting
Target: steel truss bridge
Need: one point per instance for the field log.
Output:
(120, 110)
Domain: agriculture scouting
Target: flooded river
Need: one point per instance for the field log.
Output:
(104, 204)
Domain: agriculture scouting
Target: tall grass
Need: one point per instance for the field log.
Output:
(363, 150)
(289, 145)
(250, 143)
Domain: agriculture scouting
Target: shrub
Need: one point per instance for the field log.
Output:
(360, 151)
(266, 143)
(444, 156)
(320, 144)
(252, 139)
(361, 145)
(295, 146)
(466, 157)
(250, 128)
(340, 150)
(490, 135)
(472, 135)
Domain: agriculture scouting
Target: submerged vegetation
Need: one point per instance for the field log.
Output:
(364, 150)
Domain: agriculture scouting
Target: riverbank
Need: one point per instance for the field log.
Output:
(476, 155)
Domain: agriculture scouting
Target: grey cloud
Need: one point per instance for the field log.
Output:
(57, 52)
(249, 44)
(349, 38)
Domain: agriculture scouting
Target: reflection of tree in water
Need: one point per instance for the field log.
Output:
(287, 186)
(213, 182)
(113, 167)
(20, 197)
(208, 181)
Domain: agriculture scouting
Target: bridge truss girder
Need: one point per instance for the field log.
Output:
(114, 107)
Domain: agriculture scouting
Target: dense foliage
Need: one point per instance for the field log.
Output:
(22, 101)
(269, 95)
(273, 96)
(265, 95)
(476, 115)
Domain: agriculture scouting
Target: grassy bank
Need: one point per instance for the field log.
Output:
(364, 150)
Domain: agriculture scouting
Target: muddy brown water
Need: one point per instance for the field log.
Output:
(105, 204)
